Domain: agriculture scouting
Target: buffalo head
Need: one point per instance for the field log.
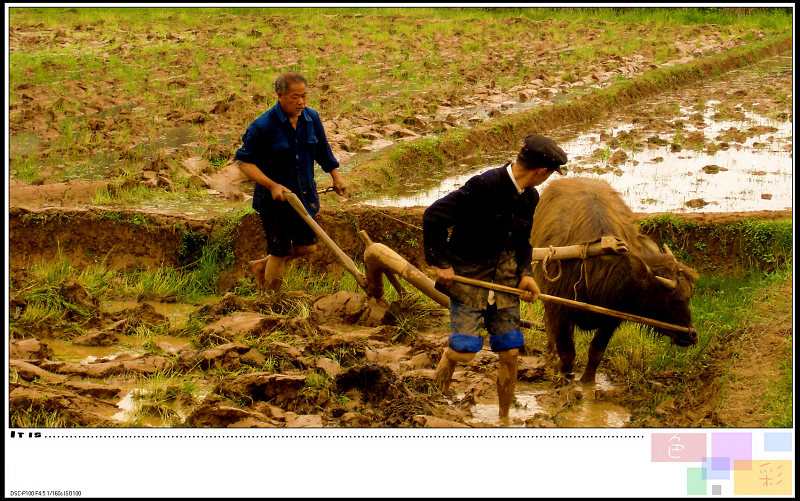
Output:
(667, 286)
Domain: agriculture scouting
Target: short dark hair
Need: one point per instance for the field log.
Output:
(285, 79)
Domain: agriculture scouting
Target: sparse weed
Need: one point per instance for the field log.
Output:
(35, 417)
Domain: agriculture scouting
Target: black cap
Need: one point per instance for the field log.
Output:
(540, 151)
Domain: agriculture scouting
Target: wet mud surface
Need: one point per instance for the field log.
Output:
(75, 137)
(348, 364)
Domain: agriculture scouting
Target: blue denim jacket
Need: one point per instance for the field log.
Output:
(286, 155)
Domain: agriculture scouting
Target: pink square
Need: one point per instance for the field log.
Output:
(678, 447)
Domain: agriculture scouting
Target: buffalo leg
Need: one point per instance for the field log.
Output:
(560, 330)
(596, 350)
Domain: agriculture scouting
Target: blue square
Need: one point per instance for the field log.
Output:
(716, 468)
(777, 442)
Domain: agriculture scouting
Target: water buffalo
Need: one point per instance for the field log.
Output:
(644, 281)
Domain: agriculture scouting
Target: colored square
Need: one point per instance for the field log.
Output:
(734, 446)
(762, 477)
(716, 468)
(678, 447)
(777, 442)
(695, 483)
(716, 490)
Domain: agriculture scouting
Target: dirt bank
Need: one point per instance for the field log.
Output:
(127, 239)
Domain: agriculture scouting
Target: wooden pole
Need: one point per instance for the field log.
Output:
(348, 263)
(577, 304)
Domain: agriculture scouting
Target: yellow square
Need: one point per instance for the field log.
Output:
(762, 476)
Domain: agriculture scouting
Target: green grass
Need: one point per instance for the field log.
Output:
(300, 276)
(124, 196)
(408, 44)
(155, 396)
(159, 283)
(720, 306)
(24, 168)
(45, 301)
(763, 245)
(34, 417)
(778, 396)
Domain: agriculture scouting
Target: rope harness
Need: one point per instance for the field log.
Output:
(583, 275)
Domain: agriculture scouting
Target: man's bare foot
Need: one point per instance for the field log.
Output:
(257, 268)
(444, 372)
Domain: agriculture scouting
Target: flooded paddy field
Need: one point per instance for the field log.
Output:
(90, 349)
(720, 146)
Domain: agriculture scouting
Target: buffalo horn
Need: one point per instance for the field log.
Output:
(667, 251)
(666, 282)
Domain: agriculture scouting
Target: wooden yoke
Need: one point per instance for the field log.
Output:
(606, 245)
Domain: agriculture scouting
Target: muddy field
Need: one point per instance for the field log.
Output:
(236, 358)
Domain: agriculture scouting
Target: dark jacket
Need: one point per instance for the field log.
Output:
(490, 237)
(286, 155)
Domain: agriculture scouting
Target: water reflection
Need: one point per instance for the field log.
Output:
(176, 313)
(199, 208)
(587, 412)
(755, 174)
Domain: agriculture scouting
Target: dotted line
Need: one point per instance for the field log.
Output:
(346, 436)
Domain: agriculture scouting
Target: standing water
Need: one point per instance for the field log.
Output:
(534, 405)
(755, 174)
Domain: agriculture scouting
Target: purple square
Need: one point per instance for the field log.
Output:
(733, 446)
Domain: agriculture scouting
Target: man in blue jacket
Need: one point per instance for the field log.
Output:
(489, 220)
(278, 152)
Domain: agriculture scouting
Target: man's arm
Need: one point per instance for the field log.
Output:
(529, 284)
(437, 219)
(254, 174)
(435, 222)
(253, 143)
(339, 185)
(444, 275)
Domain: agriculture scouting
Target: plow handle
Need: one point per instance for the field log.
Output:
(343, 258)
(577, 304)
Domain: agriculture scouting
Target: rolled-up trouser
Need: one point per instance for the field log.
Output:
(502, 325)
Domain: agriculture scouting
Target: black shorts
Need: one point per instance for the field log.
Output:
(284, 228)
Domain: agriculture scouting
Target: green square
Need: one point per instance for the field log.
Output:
(695, 483)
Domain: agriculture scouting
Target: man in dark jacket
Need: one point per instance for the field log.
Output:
(490, 220)
(278, 152)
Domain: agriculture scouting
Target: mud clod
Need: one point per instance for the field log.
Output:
(375, 382)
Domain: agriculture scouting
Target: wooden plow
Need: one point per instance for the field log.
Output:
(380, 260)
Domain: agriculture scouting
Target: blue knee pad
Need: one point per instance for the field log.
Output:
(463, 343)
(507, 341)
